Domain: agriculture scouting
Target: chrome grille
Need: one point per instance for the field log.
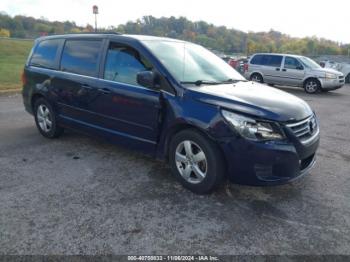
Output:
(306, 130)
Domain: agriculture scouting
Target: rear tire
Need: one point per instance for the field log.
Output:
(46, 120)
(312, 86)
(257, 78)
(196, 162)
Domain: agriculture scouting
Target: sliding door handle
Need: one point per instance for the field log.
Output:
(105, 91)
(86, 86)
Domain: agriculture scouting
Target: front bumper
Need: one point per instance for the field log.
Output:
(268, 163)
(332, 84)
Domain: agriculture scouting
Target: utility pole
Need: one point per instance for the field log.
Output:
(95, 12)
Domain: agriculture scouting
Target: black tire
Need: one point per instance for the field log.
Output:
(312, 86)
(257, 78)
(347, 79)
(52, 130)
(214, 163)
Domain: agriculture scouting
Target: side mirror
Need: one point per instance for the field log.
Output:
(146, 79)
(300, 67)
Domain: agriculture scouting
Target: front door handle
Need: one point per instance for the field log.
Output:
(277, 69)
(105, 91)
(284, 70)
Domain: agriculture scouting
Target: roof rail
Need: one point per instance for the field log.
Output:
(95, 33)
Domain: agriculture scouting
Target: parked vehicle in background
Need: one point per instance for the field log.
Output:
(341, 67)
(226, 58)
(239, 64)
(293, 70)
(173, 100)
(233, 63)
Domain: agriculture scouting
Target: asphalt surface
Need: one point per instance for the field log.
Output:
(80, 195)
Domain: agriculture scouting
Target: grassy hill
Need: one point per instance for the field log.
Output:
(13, 54)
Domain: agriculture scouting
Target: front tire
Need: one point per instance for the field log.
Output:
(196, 162)
(45, 119)
(312, 86)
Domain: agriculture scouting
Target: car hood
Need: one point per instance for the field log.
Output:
(254, 99)
(326, 70)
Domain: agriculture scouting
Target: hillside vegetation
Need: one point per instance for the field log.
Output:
(13, 54)
(219, 38)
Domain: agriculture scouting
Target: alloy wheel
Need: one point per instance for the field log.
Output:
(311, 86)
(44, 118)
(191, 162)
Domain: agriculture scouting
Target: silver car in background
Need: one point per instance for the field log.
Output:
(293, 70)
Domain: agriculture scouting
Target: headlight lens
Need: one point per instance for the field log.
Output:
(253, 129)
(331, 76)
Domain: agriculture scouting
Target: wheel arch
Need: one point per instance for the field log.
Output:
(178, 128)
(34, 98)
(312, 78)
(257, 73)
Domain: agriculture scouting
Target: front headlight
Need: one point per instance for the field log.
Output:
(253, 129)
(330, 76)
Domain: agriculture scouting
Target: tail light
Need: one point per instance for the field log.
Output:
(245, 67)
(23, 78)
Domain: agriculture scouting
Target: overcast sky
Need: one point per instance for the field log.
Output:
(328, 19)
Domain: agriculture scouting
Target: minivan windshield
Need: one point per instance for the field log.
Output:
(309, 62)
(192, 64)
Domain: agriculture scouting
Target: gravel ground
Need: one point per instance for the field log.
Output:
(80, 195)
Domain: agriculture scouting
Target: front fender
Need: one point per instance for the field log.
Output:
(184, 112)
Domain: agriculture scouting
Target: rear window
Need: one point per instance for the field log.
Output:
(45, 53)
(268, 60)
(81, 57)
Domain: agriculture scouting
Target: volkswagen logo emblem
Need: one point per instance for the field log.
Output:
(312, 125)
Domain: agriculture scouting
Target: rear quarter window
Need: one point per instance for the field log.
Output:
(257, 60)
(45, 53)
(81, 57)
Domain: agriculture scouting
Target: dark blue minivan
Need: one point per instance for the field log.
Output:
(174, 100)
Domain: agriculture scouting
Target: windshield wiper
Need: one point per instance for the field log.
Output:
(200, 82)
(206, 82)
(230, 80)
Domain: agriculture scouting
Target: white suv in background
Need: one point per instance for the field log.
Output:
(341, 67)
(293, 70)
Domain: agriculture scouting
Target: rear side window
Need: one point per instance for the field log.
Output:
(45, 53)
(257, 60)
(268, 60)
(81, 57)
(272, 60)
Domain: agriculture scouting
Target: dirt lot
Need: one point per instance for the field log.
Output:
(79, 195)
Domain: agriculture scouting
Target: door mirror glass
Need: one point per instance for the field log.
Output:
(146, 79)
(300, 67)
